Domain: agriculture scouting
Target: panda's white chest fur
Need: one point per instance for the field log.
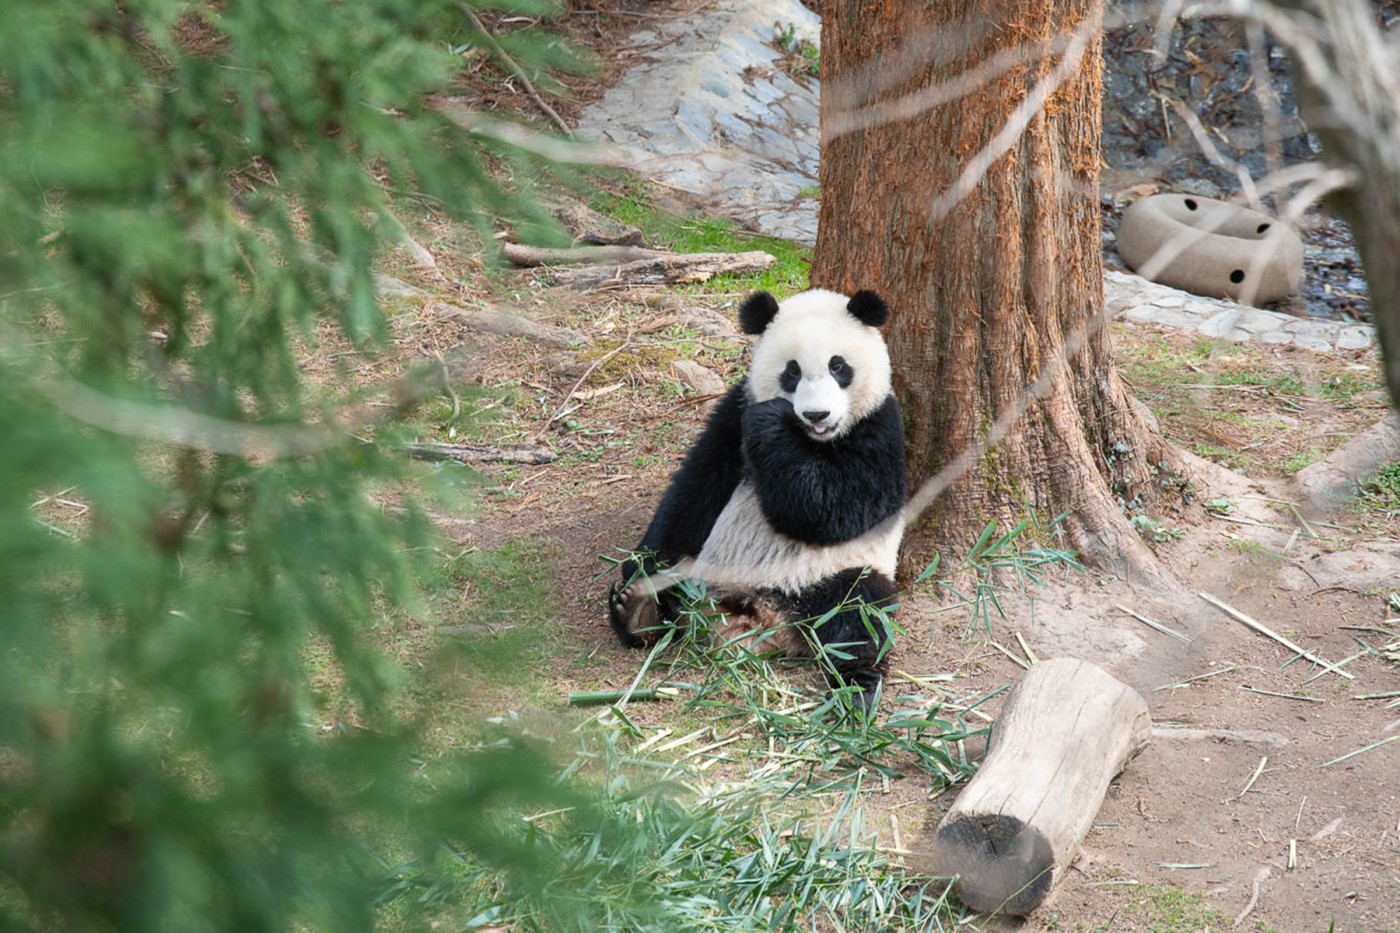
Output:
(744, 550)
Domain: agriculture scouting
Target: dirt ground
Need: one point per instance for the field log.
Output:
(1235, 778)
(1185, 813)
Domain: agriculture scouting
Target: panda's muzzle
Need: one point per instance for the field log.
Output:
(816, 421)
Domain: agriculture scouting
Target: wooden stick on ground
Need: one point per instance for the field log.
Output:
(1066, 729)
(519, 255)
(666, 269)
(471, 453)
(514, 66)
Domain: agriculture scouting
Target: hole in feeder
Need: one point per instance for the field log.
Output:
(1190, 204)
(1237, 276)
(1262, 228)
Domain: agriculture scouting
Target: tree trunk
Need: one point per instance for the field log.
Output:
(959, 177)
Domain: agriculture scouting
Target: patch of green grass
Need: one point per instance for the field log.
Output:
(492, 615)
(697, 234)
(472, 642)
(1164, 909)
(1303, 458)
(1255, 550)
(1158, 363)
(469, 415)
(1231, 459)
(1381, 492)
(802, 58)
(1256, 560)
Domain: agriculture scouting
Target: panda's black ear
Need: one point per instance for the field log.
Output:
(757, 312)
(869, 308)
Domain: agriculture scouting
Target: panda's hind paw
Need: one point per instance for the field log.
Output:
(860, 690)
(630, 615)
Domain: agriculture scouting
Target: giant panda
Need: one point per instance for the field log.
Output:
(788, 506)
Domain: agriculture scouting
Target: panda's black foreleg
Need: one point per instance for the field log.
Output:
(848, 618)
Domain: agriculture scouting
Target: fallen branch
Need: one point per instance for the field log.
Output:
(505, 324)
(529, 256)
(519, 72)
(666, 269)
(470, 453)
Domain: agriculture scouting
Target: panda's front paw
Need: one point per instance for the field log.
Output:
(762, 419)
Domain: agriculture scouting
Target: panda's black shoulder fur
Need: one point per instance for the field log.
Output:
(824, 492)
(701, 486)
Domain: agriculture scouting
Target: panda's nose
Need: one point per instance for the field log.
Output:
(815, 416)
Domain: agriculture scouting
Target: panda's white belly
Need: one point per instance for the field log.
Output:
(744, 550)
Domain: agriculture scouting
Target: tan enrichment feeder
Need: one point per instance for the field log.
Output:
(1211, 248)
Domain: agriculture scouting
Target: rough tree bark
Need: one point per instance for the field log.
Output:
(959, 176)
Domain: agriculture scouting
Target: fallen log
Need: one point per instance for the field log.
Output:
(1066, 730)
(471, 453)
(520, 255)
(666, 269)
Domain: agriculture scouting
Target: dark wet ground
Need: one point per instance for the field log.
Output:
(1209, 67)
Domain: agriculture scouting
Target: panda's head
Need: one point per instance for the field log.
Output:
(821, 351)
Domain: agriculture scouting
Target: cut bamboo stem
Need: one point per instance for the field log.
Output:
(1180, 636)
(607, 697)
(1190, 680)
(1284, 696)
(1254, 777)
(1364, 748)
(1270, 633)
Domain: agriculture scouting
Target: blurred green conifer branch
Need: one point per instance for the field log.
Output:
(185, 191)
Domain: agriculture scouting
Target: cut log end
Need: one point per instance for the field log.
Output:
(1003, 865)
(1066, 729)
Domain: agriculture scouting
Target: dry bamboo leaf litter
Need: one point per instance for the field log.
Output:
(1253, 777)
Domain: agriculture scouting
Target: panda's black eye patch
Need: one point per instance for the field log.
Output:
(792, 375)
(841, 371)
